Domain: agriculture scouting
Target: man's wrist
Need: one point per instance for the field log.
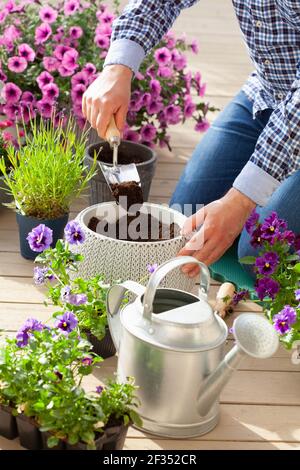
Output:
(240, 198)
(120, 69)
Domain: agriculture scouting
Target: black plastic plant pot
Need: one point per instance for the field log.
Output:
(112, 439)
(104, 347)
(132, 152)
(45, 435)
(29, 433)
(26, 224)
(8, 425)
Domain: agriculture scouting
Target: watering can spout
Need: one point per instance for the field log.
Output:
(255, 337)
(114, 301)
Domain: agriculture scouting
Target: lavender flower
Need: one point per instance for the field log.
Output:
(267, 287)
(66, 322)
(74, 233)
(25, 332)
(40, 238)
(151, 268)
(73, 299)
(284, 319)
(252, 221)
(267, 263)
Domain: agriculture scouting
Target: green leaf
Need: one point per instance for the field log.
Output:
(297, 268)
(247, 260)
(293, 257)
(52, 441)
(135, 418)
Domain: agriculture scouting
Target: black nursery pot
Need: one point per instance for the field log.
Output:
(26, 224)
(29, 433)
(45, 435)
(131, 151)
(113, 438)
(8, 425)
(104, 347)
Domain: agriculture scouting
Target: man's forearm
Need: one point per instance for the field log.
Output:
(142, 24)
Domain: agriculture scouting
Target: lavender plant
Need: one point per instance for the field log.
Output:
(277, 269)
(47, 173)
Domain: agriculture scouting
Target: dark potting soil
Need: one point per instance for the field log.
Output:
(138, 228)
(105, 155)
(130, 193)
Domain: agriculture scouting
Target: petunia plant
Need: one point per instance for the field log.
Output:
(277, 269)
(50, 54)
(57, 269)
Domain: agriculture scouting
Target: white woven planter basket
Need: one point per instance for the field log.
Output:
(124, 260)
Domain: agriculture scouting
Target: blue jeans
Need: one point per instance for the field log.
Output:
(219, 158)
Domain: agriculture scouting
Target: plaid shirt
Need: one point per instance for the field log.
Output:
(271, 29)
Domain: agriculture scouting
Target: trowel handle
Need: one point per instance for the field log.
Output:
(162, 271)
(113, 135)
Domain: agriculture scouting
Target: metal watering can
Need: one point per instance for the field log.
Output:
(172, 342)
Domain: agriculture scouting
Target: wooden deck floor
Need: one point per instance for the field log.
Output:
(260, 407)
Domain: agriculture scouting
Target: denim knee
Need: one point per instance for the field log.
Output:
(245, 249)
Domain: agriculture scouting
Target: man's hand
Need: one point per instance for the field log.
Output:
(221, 222)
(108, 96)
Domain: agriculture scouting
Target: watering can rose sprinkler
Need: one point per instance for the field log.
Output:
(172, 342)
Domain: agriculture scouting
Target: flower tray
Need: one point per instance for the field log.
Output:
(29, 433)
(8, 425)
(45, 435)
(113, 438)
(104, 347)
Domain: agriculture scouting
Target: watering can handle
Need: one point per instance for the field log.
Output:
(162, 271)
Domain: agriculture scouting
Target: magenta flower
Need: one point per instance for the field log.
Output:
(69, 60)
(44, 79)
(271, 227)
(155, 106)
(48, 14)
(17, 64)
(26, 52)
(80, 78)
(252, 221)
(189, 107)
(3, 15)
(102, 41)
(77, 93)
(173, 114)
(194, 46)
(63, 72)
(71, 7)
(288, 236)
(74, 233)
(3, 77)
(51, 64)
(12, 111)
(202, 125)
(50, 92)
(27, 97)
(146, 99)
(284, 319)
(131, 135)
(60, 51)
(11, 93)
(180, 62)
(66, 322)
(106, 17)
(89, 69)
(45, 108)
(42, 33)
(165, 72)
(75, 32)
(162, 56)
(267, 287)
(155, 88)
(171, 40)
(27, 112)
(40, 238)
(256, 238)
(135, 102)
(148, 132)
(267, 263)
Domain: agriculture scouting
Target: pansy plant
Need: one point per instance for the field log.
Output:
(277, 269)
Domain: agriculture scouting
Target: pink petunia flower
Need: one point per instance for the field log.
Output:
(171, 40)
(50, 92)
(148, 132)
(60, 51)
(7, 136)
(180, 62)
(27, 52)
(202, 126)
(162, 56)
(90, 68)
(11, 93)
(75, 32)
(102, 41)
(51, 64)
(77, 93)
(77, 109)
(154, 107)
(63, 72)
(27, 112)
(17, 64)
(48, 14)
(80, 78)
(106, 17)
(173, 114)
(44, 79)
(155, 88)
(42, 33)
(131, 135)
(189, 107)
(12, 111)
(71, 7)
(165, 72)
(45, 108)
(3, 77)
(3, 16)
(69, 60)
(28, 97)
(194, 46)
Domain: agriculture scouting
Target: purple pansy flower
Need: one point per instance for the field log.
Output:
(66, 322)
(256, 238)
(241, 295)
(25, 332)
(151, 268)
(252, 221)
(87, 361)
(288, 236)
(40, 275)
(267, 287)
(267, 263)
(74, 233)
(284, 319)
(271, 227)
(297, 294)
(40, 238)
(71, 298)
(99, 389)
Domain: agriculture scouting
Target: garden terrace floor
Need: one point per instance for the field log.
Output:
(260, 406)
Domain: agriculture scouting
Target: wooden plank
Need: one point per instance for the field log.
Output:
(16, 289)
(12, 264)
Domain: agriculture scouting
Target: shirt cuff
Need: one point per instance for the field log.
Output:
(125, 52)
(256, 184)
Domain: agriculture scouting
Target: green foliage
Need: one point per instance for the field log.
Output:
(47, 172)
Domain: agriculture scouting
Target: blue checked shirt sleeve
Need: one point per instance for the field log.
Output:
(141, 25)
(277, 152)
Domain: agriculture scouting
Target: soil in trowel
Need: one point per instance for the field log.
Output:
(128, 194)
(138, 228)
